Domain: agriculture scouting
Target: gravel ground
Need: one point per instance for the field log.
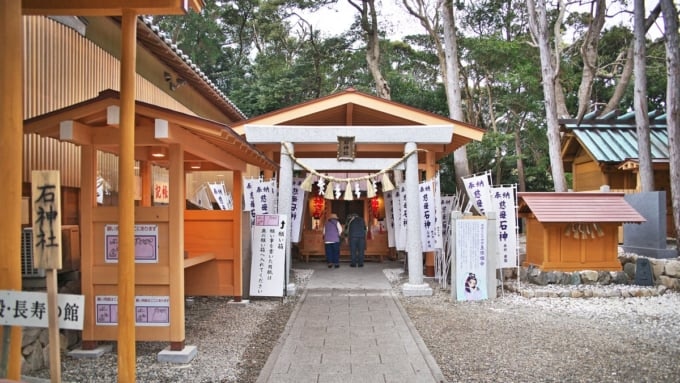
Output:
(510, 339)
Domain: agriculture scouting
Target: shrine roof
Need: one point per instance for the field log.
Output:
(578, 207)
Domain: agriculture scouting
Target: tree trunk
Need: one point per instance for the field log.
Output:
(538, 24)
(589, 55)
(453, 91)
(369, 24)
(670, 20)
(521, 178)
(627, 71)
(640, 99)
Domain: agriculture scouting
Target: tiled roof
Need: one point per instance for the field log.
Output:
(611, 138)
(578, 207)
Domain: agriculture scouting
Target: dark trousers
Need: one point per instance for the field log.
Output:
(356, 248)
(333, 253)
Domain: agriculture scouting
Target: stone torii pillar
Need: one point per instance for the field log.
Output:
(286, 202)
(415, 286)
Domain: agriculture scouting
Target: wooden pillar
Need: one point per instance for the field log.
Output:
(126, 203)
(11, 144)
(88, 202)
(176, 246)
(237, 191)
(145, 175)
(430, 169)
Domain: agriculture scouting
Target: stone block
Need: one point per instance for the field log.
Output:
(186, 355)
(672, 268)
(589, 276)
(650, 234)
(658, 266)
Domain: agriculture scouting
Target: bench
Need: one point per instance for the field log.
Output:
(198, 259)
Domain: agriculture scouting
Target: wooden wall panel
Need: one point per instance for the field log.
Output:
(63, 68)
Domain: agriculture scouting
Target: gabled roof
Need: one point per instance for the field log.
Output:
(613, 139)
(206, 141)
(578, 207)
(350, 107)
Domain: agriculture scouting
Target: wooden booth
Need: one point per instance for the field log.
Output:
(178, 252)
(574, 231)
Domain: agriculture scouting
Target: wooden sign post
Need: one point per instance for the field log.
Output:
(46, 199)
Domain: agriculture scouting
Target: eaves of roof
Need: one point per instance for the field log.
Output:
(578, 207)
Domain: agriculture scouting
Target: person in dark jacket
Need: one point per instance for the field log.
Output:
(356, 231)
(331, 238)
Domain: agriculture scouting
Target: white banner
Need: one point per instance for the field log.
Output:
(297, 209)
(389, 218)
(29, 309)
(438, 227)
(402, 226)
(504, 203)
(427, 216)
(260, 197)
(478, 188)
(202, 199)
(223, 198)
(471, 259)
(268, 255)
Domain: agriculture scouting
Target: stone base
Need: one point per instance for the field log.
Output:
(290, 289)
(410, 290)
(186, 355)
(100, 350)
(651, 252)
(242, 302)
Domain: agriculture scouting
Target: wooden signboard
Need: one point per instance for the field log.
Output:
(46, 219)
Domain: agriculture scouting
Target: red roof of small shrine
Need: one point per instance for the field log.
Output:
(578, 207)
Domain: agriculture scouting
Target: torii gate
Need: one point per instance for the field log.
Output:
(410, 136)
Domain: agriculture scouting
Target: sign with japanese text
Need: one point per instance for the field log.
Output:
(46, 198)
(161, 192)
(471, 259)
(389, 218)
(428, 227)
(401, 227)
(146, 243)
(478, 188)
(221, 196)
(150, 310)
(268, 255)
(297, 209)
(504, 203)
(260, 197)
(29, 309)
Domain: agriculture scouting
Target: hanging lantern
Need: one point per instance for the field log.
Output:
(375, 207)
(317, 206)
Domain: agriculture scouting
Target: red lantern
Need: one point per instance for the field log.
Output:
(375, 207)
(317, 206)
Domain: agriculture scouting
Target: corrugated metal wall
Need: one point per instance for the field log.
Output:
(61, 68)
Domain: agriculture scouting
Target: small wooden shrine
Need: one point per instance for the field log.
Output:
(574, 231)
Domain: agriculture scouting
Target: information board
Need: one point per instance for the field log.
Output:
(268, 255)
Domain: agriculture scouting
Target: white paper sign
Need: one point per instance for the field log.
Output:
(29, 309)
(428, 235)
(297, 209)
(268, 255)
(389, 218)
(471, 259)
(150, 310)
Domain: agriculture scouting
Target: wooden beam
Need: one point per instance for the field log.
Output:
(106, 7)
(201, 148)
(75, 132)
(431, 134)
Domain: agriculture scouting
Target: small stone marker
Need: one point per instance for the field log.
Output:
(643, 273)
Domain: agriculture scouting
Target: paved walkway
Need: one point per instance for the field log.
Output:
(348, 327)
